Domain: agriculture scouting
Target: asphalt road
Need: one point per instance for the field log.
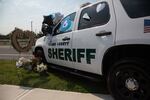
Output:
(8, 52)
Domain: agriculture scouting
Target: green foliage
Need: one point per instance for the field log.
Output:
(54, 79)
(4, 36)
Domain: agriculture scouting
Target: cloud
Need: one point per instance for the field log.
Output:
(23, 11)
(26, 4)
(16, 2)
(1, 2)
(32, 4)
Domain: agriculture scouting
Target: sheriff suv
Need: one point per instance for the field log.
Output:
(110, 38)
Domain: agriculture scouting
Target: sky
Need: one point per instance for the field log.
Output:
(20, 13)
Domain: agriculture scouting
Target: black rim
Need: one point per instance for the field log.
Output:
(39, 53)
(132, 83)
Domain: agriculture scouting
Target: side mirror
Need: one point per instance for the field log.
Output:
(86, 17)
(55, 29)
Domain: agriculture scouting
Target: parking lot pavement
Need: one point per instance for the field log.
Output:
(10, 92)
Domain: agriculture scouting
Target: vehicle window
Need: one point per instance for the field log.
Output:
(65, 25)
(95, 15)
(136, 8)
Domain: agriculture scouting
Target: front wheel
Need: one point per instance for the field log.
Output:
(129, 80)
(39, 53)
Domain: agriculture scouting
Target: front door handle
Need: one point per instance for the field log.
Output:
(103, 33)
(66, 38)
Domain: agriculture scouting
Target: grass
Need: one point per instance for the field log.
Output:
(55, 79)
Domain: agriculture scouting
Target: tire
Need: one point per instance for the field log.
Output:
(129, 80)
(39, 53)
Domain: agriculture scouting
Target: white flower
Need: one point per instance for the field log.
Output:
(19, 64)
(41, 67)
(23, 62)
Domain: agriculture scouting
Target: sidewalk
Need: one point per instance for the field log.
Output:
(10, 92)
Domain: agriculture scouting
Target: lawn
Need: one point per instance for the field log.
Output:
(56, 80)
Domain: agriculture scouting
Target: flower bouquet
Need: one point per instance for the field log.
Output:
(34, 64)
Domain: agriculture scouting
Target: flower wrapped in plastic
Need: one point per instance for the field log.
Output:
(24, 63)
(31, 64)
(41, 67)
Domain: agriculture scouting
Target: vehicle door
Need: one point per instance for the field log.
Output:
(95, 33)
(61, 42)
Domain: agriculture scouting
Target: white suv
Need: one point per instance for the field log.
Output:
(109, 38)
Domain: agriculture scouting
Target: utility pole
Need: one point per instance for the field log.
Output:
(31, 26)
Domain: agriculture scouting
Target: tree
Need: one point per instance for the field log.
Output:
(4, 36)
